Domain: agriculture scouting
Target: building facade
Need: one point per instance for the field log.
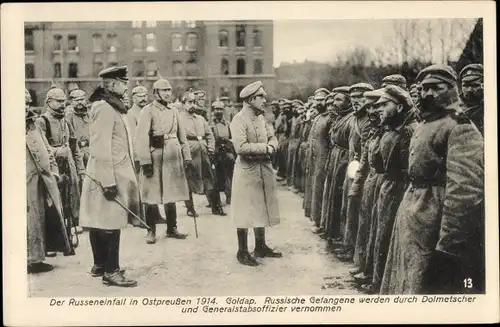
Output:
(219, 57)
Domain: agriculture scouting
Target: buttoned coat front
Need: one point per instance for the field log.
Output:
(110, 163)
(254, 198)
(169, 182)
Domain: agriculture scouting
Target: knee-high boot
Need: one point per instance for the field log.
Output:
(99, 252)
(113, 276)
(261, 248)
(243, 256)
(152, 214)
(216, 203)
(190, 206)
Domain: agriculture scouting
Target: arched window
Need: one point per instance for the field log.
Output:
(176, 42)
(224, 66)
(177, 69)
(257, 38)
(240, 35)
(97, 43)
(192, 40)
(240, 66)
(223, 39)
(257, 66)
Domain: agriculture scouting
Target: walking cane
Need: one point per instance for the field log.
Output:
(121, 205)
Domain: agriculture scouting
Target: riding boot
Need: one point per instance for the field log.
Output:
(243, 256)
(261, 248)
(113, 276)
(171, 215)
(190, 206)
(98, 252)
(152, 214)
(216, 203)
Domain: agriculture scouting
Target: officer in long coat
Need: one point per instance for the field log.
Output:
(359, 133)
(77, 117)
(110, 177)
(336, 165)
(472, 85)
(164, 155)
(42, 195)
(224, 155)
(319, 145)
(438, 237)
(201, 178)
(254, 198)
(63, 143)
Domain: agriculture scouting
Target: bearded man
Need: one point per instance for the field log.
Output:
(472, 85)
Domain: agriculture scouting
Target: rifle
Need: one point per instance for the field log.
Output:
(64, 190)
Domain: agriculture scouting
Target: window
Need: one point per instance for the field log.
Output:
(151, 24)
(151, 69)
(192, 67)
(137, 24)
(191, 23)
(224, 66)
(176, 23)
(34, 101)
(257, 38)
(176, 42)
(29, 44)
(73, 70)
(257, 66)
(138, 68)
(57, 70)
(177, 69)
(97, 43)
(29, 71)
(113, 43)
(97, 66)
(223, 39)
(192, 40)
(57, 43)
(137, 42)
(150, 42)
(240, 35)
(240, 66)
(72, 46)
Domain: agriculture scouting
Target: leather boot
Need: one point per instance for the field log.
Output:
(190, 206)
(117, 279)
(152, 214)
(99, 246)
(261, 249)
(39, 267)
(243, 256)
(216, 203)
(151, 237)
(171, 213)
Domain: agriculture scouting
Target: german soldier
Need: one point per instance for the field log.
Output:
(254, 182)
(200, 104)
(438, 237)
(110, 177)
(163, 153)
(224, 155)
(64, 146)
(202, 144)
(78, 118)
(472, 85)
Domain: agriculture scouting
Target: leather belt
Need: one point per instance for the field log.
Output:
(194, 138)
(169, 136)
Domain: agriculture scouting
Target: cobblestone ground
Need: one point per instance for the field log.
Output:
(207, 265)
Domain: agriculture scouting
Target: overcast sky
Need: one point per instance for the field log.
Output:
(321, 40)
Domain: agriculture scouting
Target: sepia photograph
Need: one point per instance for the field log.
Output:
(297, 161)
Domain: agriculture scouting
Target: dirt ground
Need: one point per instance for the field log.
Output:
(207, 265)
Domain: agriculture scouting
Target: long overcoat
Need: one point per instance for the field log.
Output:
(254, 193)
(391, 161)
(438, 213)
(79, 123)
(293, 145)
(336, 166)
(224, 155)
(319, 143)
(110, 163)
(304, 143)
(42, 192)
(169, 181)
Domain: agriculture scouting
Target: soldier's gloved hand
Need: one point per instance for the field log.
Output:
(147, 170)
(137, 165)
(82, 177)
(110, 192)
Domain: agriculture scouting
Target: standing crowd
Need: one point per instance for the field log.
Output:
(392, 178)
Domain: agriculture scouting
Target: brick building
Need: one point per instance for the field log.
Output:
(219, 57)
